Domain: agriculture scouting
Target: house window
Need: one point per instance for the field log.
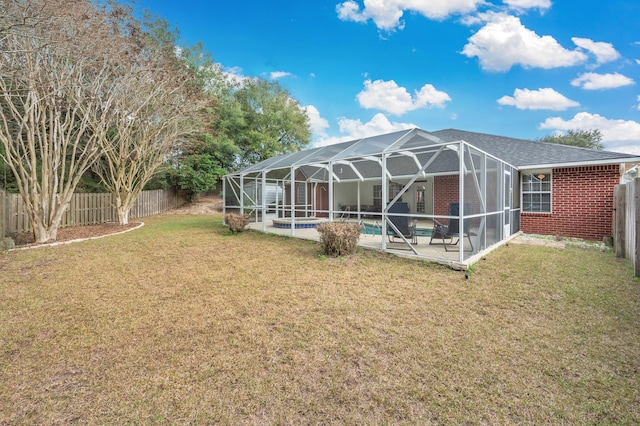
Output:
(301, 194)
(377, 195)
(394, 189)
(536, 192)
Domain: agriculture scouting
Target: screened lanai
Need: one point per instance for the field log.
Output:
(384, 183)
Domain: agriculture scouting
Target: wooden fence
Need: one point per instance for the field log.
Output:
(3, 202)
(87, 209)
(626, 223)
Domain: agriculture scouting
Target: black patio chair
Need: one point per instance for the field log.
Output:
(447, 233)
(404, 224)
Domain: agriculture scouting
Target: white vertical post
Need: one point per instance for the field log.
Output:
(636, 201)
(359, 206)
(242, 194)
(384, 203)
(224, 198)
(461, 202)
(330, 191)
(264, 201)
(293, 201)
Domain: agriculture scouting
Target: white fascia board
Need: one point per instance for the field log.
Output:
(579, 164)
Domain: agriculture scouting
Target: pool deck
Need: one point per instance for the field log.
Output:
(435, 252)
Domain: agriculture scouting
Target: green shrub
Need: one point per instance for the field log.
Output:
(236, 222)
(338, 239)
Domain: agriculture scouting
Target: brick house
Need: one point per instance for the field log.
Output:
(504, 186)
(565, 191)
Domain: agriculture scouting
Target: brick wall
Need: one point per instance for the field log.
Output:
(446, 189)
(582, 200)
(582, 204)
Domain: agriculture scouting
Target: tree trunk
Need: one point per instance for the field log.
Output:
(123, 215)
(43, 234)
(123, 207)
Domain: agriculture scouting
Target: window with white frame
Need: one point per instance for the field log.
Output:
(301, 193)
(394, 189)
(536, 192)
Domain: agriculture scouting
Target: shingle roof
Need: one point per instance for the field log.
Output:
(522, 153)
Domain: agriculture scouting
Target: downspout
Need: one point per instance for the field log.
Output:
(314, 199)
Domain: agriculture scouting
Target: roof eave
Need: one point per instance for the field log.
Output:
(581, 163)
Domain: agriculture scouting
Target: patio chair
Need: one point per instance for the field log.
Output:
(447, 233)
(404, 224)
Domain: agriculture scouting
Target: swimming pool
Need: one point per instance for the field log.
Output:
(299, 222)
(375, 229)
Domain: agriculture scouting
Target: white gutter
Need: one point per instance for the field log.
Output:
(580, 164)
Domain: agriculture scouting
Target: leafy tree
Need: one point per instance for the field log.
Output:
(200, 167)
(591, 139)
(263, 120)
(249, 120)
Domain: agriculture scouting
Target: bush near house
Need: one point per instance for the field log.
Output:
(236, 222)
(338, 239)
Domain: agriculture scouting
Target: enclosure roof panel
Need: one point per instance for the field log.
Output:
(372, 145)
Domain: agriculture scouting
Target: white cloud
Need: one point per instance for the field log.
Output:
(593, 81)
(387, 14)
(604, 52)
(528, 4)
(350, 11)
(355, 129)
(504, 42)
(546, 98)
(234, 76)
(279, 74)
(317, 124)
(638, 107)
(617, 135)
(389, 97)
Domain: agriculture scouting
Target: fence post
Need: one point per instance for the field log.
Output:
(3, 213)
(619, 222)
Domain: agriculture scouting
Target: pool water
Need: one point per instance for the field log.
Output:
(370, 229)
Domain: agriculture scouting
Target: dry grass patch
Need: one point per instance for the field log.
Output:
(183, 322)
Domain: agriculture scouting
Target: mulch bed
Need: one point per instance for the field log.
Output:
(76, 232)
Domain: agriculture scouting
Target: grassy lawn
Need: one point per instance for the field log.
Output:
(181, 322)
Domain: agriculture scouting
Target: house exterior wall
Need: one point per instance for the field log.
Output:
(446, 190)
(582, 204)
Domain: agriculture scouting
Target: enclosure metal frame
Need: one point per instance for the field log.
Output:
(420, 151)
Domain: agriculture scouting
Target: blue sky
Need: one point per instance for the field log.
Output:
(518, 68)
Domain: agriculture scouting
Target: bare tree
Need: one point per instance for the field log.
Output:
(55, 64)
(156, 107)
(80, 84)
(151, 116)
